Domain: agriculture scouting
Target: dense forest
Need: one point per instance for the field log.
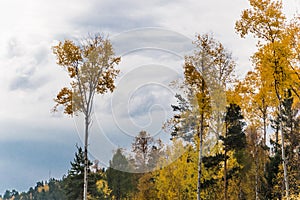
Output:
(230, 138)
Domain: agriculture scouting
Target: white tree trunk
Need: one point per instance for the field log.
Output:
(256, 171)
(285, 177)
(200, 160)
(85, 179)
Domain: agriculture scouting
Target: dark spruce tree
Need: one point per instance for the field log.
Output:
(184, 121)
(119, 180)
(55, 190)
(73, 182)
(234, 140)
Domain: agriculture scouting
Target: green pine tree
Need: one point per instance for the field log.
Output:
(73, 182)
(119, 180)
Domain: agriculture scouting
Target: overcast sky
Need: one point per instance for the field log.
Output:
(151, 36)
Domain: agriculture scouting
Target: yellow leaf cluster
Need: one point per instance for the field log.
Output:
(277, 59)
(264, 20)
(177, 180)
(65, 98)
(68, 54)
(102, 185)
(90, 66)
(44, 188)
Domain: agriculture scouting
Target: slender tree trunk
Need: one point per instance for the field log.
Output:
(225, 175)
(256, 171)
(278, 80)
(256, 163)
(276, 138)
(286, 181)
(256, 184)
(85, 179)
(200, 157)
(200, 135)
(225, 168)
(265, 129)
(265, 140)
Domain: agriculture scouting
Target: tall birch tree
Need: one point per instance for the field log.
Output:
(90, 66)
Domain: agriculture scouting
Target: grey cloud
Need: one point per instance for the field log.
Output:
(16, 48)
(142, 87)
(111, 15)
(114, 23)
(13, 48)
(30, 70)
(119, 15)
(25, 82)
(41, 54)
(21, 82)
(149, 99)
(155, 38)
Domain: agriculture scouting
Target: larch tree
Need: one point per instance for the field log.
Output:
(256, 101)
(142, 147)
(200, 96)
(276, 60)
(90, 66)
(207, 73)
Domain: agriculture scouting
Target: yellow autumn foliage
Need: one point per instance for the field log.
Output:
(44, 188)
(102, 185)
